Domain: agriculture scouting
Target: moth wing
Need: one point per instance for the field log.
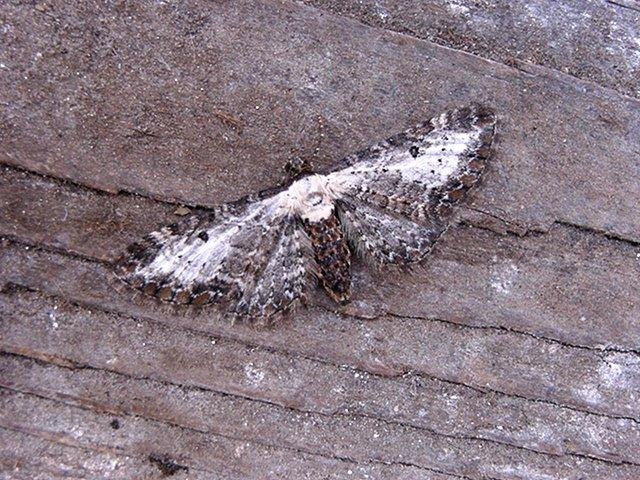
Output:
(252, 255)
(395, 198)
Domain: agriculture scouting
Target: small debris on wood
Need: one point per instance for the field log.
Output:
(167, 466)
(181, 211)
(228, 120)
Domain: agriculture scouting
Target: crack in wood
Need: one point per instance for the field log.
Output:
(13, 287)
(523, 231)
(528, 231)
(67, 363)
(65, 441)
(630, 4)
(81, 403)
(78, 401)
(501, 328)
(515, 64)
(300, 451)
(108, 264)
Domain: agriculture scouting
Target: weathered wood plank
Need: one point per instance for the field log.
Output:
(483, 358)
(593, 40)
(40, 210)
(565, 285)
(512, 354)
(444, 409)
(40, 327)
(25, 456)
(219, 457)
(154, 112)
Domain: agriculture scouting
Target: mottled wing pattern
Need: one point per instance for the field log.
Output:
(389, 203)
(396, 196)
(253, 255)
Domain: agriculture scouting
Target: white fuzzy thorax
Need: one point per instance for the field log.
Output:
(310, 197)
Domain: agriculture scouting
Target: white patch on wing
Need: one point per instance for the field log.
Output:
(191, 258)
(437, 158)
(430, 158)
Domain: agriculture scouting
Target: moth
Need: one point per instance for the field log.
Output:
(386, 204)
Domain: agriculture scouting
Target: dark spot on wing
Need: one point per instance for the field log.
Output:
(204, 236)
(414, 151)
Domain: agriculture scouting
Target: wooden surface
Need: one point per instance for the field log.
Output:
(513, 353)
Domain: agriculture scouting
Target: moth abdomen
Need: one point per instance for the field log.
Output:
(332, 256)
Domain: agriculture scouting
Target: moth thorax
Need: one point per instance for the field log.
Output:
(314, 198)
(316, 207)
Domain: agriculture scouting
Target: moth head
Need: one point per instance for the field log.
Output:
(311, 198)
(297, 167)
